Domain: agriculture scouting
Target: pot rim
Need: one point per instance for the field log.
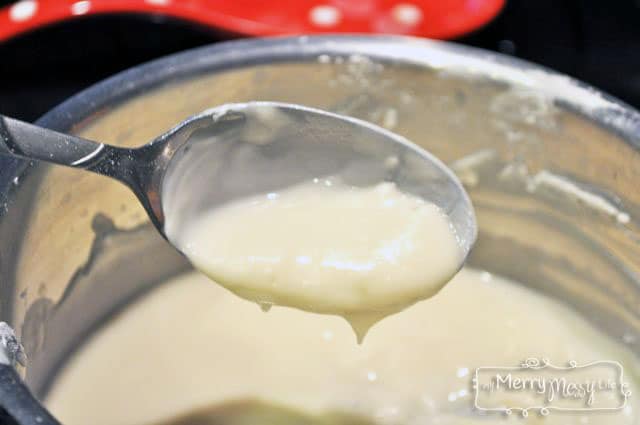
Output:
(455, 59)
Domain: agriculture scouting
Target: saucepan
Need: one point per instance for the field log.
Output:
(552, 167)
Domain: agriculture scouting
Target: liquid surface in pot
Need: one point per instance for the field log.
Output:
(360, 253)
(191, 353)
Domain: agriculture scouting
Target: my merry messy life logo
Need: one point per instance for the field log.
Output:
(536, 385)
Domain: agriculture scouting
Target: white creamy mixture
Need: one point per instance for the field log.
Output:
(190, 345)
(361, 253)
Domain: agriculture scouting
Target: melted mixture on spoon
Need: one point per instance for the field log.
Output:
(361, 253)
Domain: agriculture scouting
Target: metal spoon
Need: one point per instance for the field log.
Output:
(237, 150)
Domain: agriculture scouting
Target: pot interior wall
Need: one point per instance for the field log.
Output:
(556, 194)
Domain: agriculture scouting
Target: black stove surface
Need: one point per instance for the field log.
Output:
(592, 40)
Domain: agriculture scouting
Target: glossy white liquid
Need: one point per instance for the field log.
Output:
(192, 345)
(361, 253)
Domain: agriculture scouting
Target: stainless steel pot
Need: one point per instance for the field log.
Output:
(552, 166)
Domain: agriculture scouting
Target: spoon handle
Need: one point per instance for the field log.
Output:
(24, 140)
(18, 138)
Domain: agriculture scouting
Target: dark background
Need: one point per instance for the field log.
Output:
(597, 41)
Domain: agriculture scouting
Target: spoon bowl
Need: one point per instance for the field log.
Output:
(242, 149)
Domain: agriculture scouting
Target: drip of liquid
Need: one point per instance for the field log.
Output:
(265, 306)
(362, 322)
(324, 247)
